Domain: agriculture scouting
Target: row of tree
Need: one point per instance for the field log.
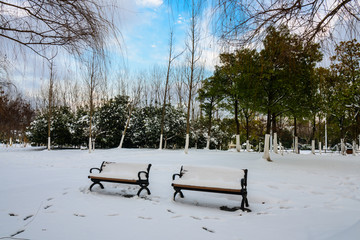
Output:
(71, 128)
(282, 82)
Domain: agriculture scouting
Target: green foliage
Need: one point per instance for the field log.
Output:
(144, 128)
(342, 89)
(38, 130)
(287, 70)
(110, 121)
(80, 128)
(61, 123)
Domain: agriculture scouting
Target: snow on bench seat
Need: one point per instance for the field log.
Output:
(222, 178)
(212, 179)
(130, 173)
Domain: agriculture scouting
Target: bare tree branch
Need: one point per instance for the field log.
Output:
(243, 22)
(37, 24)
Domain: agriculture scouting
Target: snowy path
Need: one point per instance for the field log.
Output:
(44, 195)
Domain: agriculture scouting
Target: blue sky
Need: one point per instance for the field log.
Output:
(144, 26)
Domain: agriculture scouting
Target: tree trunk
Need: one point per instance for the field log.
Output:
(247, 127)
(313, 147)
(247, 146)
(51, 88)
(313, 128)
(90, 132)
(354, 147)
(273, 123)
(268, 122)
(209, 130)
(266, 155)
(342, 150)
(238, 147)
(296, 144)
(296, 140)
(126, 126)
(187, 144)
(166, 88)
(192, 69)
(275, 143)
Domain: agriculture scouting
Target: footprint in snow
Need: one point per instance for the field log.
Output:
(170, 211)
(26, 218)
(146, 218)
(79, 215)
(17, 233)
(49, 199)
(48, 206)
(13, 214)
(113, 215)
(285, 207)
(197, 218)
(206, 229)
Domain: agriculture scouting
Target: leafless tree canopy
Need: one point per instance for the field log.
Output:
(38, 24)
(246, 20)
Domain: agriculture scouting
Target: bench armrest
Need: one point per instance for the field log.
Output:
(146, 175)
(178, 174)
(174, 175)
(95, 169)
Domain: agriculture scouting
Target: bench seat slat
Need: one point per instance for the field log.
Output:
(214, 189)
(113, 179)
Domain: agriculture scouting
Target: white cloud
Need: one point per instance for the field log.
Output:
(153, 46)
(149, 3)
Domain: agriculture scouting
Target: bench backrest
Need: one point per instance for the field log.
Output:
(220, 175)
(128, 169)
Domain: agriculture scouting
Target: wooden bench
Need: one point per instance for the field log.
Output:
(127, 173)
(216, 180)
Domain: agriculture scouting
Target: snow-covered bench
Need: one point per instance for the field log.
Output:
(128, 173)
(210, 179)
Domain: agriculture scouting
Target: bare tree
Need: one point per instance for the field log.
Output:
(135, 100)
(246, 20)
(193, 47)
(155, 76)
(170, 60)
(50, 101)
(95, 71)
(179, 85)
(40, 24)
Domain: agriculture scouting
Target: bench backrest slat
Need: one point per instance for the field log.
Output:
(215, 173)
(124, 168)
(211, 177)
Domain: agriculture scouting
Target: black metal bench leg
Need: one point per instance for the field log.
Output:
(178, 191)
(142, 188)
(246, 202)
(102, 186)
(242, 204)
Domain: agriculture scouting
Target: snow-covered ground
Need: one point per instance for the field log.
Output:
(44, 195)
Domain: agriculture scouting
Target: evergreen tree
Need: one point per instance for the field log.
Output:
(79, 127)
(110, 121)
(209, 96)
(343, 88)
(61, 123)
